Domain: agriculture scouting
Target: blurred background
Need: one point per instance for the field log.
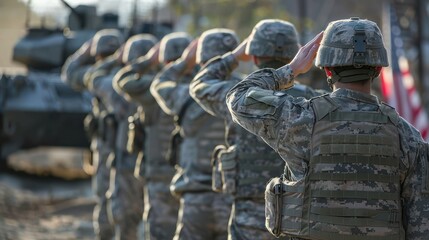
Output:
(41, 129)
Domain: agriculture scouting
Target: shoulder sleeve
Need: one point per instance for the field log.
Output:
(284, 121)
(212, 83)
(168, 89)
(415, 187)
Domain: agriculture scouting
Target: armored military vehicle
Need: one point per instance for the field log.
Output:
(38, 109)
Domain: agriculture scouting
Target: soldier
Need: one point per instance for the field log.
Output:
(160, 213)
(248, 163)
(125, 195)
(203, 213)
(103, 44)
(355, 170)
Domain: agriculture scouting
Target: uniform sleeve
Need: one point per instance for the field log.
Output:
(133, 86)
(168, 89)
(283, 121)
(415, 187)
(75, 68)
(210, 86)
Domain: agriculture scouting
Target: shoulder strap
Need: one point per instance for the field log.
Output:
(323, 105)
(391, 113)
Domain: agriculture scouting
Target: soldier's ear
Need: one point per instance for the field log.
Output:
(255, 60)
(328, 72)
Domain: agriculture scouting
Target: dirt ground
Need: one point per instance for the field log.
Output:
(46, 207)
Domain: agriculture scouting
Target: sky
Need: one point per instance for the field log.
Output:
(124, 8)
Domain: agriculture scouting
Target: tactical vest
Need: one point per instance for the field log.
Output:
(158, 126)
(352, 188)
(247, 166)
(201, 133)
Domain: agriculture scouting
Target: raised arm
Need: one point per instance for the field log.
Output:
(169, 88)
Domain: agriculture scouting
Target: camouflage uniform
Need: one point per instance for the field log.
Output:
(160, 213)
(125, 204)
(255, 162)
(203, 213)
(344, 121)
(104, 43)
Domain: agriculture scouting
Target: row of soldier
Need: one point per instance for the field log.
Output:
(161, 128)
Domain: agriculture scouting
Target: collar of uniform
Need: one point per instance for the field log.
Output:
(358, 96)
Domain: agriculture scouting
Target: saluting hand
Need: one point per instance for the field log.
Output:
(303, 60)
(240, 52)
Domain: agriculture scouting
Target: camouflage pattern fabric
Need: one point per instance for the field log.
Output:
(286, 124)
(125, 195)
(209, 88)
(172, 46)
(203, 216)
(73, 73)
(100, 184)
(160, 214)
(245, 221)
(201, 132)
(137, 46)
(215, 42)
(338, 47)
(125, 202)
(273, 38)
(105, 42)
(76, 66)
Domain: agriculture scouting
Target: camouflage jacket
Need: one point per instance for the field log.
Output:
(286, 124)
(200, 131)
(98, 80)
(209, 88)
(75, 67)
(157, 124)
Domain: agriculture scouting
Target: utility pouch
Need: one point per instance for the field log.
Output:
(173, 150)
(110, 129)
(284, 205)
(136, 135)
(216, 171)
(229, 169)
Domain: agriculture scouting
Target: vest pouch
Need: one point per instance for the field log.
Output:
(228, 166)
(173, 151)
(136, 135)
(216, 171)
(284, 201)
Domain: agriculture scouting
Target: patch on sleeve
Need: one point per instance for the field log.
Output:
(262, 102)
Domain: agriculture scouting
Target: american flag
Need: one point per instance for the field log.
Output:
(397, 83)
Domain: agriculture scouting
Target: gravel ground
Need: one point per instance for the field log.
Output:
(45, 207)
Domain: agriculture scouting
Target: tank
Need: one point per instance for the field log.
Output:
(38, 109)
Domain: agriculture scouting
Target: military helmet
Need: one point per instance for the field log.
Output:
(273, 38)
(215, 42)
(105, 42)
(352, 42)
(172, 46)
(138, 45)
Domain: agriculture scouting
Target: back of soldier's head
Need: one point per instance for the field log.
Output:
(353, 47)
(215, 42)
(105, 42)
(172, 46)
(273, 38)
(138, 45)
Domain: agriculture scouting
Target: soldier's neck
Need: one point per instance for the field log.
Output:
(362, 86)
